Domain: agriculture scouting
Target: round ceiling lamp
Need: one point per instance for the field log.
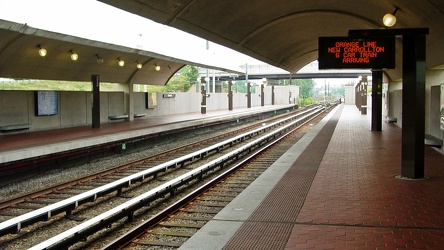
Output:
(121, 62)
(389, 19)
(74, 56)
(139, 65)
(42, 51)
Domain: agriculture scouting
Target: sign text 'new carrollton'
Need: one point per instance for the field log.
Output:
(346, 52)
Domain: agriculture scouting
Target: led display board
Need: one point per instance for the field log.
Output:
(356, 53)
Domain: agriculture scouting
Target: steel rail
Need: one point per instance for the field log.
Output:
(128, 208)
(140, 229)
(14, 225)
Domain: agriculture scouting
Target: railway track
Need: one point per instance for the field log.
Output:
(120, 170)
(122, 189)
(170, 228)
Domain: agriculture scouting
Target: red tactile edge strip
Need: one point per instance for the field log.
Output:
(271, 223)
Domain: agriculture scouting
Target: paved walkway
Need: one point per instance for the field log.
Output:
(22, 146)
(341, 193)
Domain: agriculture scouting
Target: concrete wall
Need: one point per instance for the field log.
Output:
(435, 111)
(75, 108)
(267, 95)
(349, 95)
(434, 79)
(14, 108)
(395, 105)
(179, 104)
(285, 94)
(217, 101)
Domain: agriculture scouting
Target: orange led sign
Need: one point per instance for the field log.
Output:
(349, 53)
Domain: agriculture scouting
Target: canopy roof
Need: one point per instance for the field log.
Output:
(19, 58)
(284, 33)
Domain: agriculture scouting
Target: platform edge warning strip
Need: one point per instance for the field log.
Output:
(271, 223)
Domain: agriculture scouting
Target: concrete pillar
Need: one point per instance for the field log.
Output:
(203, 104)
(413, 105)
(230, 95)
(248, 95)
(130, 108)
(376, 100)
(413, 95)
(95, 82)
(272, 95)
(364, 84)
(358, 95)
(262, 95)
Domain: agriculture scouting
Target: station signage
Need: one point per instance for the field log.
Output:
(356, 53)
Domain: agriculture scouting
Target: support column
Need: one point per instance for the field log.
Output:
(95, 82)
(262, 95)
(230, 95)
(203, 106)
(248, 95)
(130, 108)
(358, 96)
(272, 95)
(363, 106)
(413, 95)
(413, 106)
(376, 100)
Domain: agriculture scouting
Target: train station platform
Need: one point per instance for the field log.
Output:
(337, 188)
(28, 145)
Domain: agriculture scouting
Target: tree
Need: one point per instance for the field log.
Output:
(305, 87)
(182, 80)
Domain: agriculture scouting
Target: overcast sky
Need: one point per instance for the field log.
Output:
(97, 21)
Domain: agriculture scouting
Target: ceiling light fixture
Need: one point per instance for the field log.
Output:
(99, 59)
(157, 67)
(74, 56)
(389, 19)
(121, 62)
(42, 51)
(138, 65)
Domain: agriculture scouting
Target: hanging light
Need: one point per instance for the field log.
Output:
(42, 51)
(139, 65)
(121, 62)
(389, 19)
(99, 59)
(74, 56)
(157, 67)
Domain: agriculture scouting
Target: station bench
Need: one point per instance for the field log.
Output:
(12, 128)
(391, 119)
(117, 117)
(121, 117)
(433, 141)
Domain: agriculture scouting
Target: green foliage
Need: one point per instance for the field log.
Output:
(53, 85)
(305, 87)
(156, 88)
(305, 102)
(240, 86)
(337, 90)
(183, 79)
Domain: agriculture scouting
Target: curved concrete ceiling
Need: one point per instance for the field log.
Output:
(284, 33)
(19, 58)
